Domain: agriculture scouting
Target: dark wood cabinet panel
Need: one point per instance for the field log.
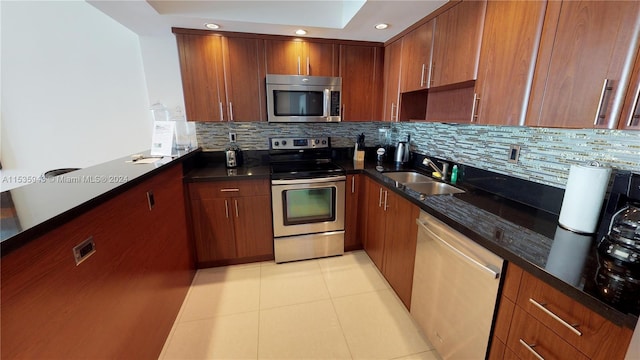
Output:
(300, 57)
(353, 213)
(512, 282)
(253, 229)
(456, 43)
(244, 71)
(213, 229)
(392, 68)
(375, 227)
(361, 69)
(511, 36)
(202, 77)
(283, 56)
(584, 44)
(630, 119)
(416, 58)
(320, 59)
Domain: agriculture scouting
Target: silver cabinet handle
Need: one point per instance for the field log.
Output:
(493, 273)
(236, 201)
(221, 111)
(424, 66)
(531, 349)
(353, 184)
(380, 199)
(635, 110)
(474, 109)
(226, 209)
(433, 65)
(229, 190)
(391, 114)
(606, 87)
(386, 195)
(555, 317)
(230, 111)
(299, 66)
(308, 66)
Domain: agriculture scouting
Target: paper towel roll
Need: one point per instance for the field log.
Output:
(583, 197)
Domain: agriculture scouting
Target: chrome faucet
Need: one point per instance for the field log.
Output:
(445, 167)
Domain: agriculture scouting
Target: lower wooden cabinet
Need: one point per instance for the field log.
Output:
(353, 213)
(541, 320)
(390, 237)
(231, 221)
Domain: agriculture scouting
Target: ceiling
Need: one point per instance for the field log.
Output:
(333, 19)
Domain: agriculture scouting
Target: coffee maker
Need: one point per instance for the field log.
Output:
(618, 276)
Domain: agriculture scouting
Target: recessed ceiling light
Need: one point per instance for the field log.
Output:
(301, 32)
(381, 26)
(212, 26)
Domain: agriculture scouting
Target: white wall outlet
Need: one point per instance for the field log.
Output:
(232, 137)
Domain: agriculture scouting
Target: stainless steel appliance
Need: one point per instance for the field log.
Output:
(455, 287)
(308, 199)
(402, 152)
(299, 98)
(618, 275)
(233, 156)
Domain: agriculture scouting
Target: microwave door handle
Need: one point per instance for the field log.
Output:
(326, 103)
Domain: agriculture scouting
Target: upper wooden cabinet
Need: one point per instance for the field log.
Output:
(456, 43)
(392, 68)
(416, 58)
(201, 67)
(630, 119)
(300, 57)
(361, 71)
(584, 63)
(510, 41)
(222, 77)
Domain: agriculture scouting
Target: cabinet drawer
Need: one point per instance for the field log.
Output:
(587, 331)
(216, 189)
(528, 335)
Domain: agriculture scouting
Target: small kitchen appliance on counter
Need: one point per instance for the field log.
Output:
(618, 277)
(308, 199)
(233, 155)
(402, 151)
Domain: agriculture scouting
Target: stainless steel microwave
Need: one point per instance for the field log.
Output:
(300, 98)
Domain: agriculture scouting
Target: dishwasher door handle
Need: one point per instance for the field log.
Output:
(485, 268)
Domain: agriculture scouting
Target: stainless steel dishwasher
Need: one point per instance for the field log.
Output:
(455, 287)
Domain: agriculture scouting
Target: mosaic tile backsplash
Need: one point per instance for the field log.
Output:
(545, 154)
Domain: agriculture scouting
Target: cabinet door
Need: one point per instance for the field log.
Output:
(392, 63)
(583, 63)
(213, 229)
(510, 41)
(630, 119)
(244, 71)
(400, 245)
(375, 227)
(284, 56)
(361, 71)
(456, 43)
(252, 224)
(202, 78)
(416, 58)
(351, 235)
(319, 59)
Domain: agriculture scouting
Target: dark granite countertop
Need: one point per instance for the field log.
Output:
(47, 203)
(524, 231)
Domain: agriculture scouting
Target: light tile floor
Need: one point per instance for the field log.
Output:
(331, 308)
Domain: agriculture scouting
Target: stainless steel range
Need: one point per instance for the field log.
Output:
(307, 198)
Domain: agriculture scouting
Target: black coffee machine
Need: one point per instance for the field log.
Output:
(618, 276)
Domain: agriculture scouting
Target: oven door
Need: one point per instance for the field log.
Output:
(307, 206)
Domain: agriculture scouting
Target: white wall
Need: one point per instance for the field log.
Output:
(73, 88)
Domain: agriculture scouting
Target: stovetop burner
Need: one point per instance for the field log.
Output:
(302, 158)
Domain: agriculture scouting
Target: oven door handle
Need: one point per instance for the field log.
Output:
(309, 181)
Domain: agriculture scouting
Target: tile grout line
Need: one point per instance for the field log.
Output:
(333, 305)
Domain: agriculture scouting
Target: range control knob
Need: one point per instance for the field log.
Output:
(276, 143)
(284, 142)
(317, 141)
(324, 142)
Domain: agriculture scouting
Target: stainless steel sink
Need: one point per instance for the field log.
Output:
(408, 177)
(433, 188)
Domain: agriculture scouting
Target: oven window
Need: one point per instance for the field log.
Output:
(298, 103)
(304, 206)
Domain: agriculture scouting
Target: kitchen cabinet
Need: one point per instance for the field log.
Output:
(231, 221)
(511, 35)
(535, 317)
(583, 65)
(456, 43)
(222, 77)
(301, 57)
(392, 68)
(390, 238)
(361, 69)
(352, 211)
(416, 58)
(202, 79)
(121, 301)
(630, 119)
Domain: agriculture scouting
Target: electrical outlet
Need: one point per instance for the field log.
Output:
(232, 137)
(514, 153)
(83, 250)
